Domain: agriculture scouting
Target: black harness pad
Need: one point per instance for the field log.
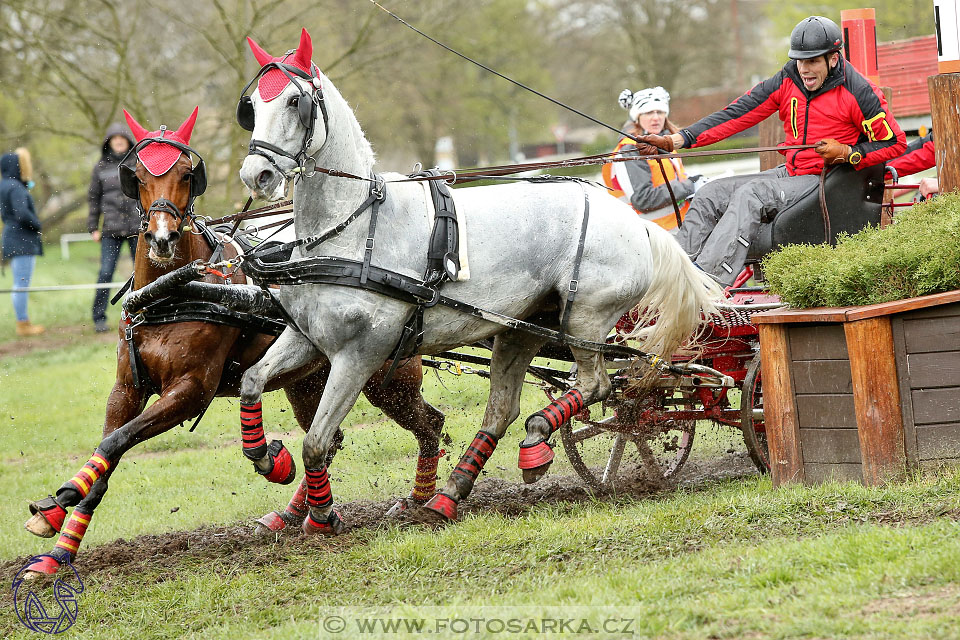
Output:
(443, 251)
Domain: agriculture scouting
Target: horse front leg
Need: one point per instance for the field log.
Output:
(304, 397)
(349, 370)
(291, 351)
(123, 405)
(403, 402)
(512, 353)
(177, 403)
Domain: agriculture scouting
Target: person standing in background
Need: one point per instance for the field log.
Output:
(21, 231)
(119, 213)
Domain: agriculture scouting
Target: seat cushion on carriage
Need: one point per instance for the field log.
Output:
(853, 201)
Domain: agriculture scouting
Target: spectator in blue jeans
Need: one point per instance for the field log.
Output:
(119, 213)
(21, 230)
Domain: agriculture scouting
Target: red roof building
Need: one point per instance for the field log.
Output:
(904, 66)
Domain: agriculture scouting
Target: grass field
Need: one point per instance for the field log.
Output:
(717, 558)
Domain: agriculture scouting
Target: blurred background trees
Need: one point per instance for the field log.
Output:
(67, 67)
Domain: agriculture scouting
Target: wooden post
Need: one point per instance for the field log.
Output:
(944, 98)
(944, 93)
(876, 398)
(771, 134)
(779, 410)
(860, 41)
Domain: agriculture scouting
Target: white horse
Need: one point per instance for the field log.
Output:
(522, 241)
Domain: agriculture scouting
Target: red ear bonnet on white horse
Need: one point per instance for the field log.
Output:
(275, 81)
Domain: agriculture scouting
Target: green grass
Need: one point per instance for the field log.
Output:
(720, 559)
(62, 308)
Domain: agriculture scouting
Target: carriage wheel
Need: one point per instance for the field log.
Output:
(751, 417)
(607, 454)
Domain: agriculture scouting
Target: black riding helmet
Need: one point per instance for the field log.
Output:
(815, 36)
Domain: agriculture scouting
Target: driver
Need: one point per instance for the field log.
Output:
(819, 97)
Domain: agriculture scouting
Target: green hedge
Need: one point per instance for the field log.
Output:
(918, 255)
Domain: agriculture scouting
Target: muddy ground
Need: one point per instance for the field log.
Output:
(238, 544)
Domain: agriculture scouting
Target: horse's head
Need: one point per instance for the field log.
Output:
(164, 182)
(287, 115)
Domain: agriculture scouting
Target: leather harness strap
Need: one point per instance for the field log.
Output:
(574, 281)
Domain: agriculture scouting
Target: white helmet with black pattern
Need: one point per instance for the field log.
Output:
(645, 101)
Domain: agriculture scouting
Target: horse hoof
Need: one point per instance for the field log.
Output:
(532, 475)
(269, 524)
(536, 459)
(42, 566)
(402, 506)
(398, 508)
(47, 517)
(332, 527)
(283, 470)
(38, 526)
(443, 505)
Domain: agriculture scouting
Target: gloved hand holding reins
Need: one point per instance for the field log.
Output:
(832, 151)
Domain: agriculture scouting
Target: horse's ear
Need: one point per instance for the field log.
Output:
(139, 133)
(304, 55)
(262, 56)
(186, 129)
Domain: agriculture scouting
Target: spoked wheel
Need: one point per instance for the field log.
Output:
(608, 453)
(751, 417)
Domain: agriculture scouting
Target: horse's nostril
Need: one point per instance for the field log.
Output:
(174, 236)
(148, 236)
(264, 178)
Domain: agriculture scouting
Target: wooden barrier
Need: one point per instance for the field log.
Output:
(861, 393)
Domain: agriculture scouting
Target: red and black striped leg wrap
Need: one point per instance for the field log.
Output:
(89, 473)
(470, 465)
(558, 412)
(73, 532)
(425, 482)
(318, 488)
(297, 508)
(251, 430)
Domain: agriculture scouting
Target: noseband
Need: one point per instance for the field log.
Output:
(162, 205)
(307, 106)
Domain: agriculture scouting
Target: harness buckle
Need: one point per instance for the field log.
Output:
(369, 244)
(434, 300)
(574, 286)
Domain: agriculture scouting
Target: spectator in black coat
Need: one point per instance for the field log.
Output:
(21, 230)
(119, 213)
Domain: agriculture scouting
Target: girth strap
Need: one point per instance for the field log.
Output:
(574, 281)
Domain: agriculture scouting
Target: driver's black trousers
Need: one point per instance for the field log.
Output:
(726, 214)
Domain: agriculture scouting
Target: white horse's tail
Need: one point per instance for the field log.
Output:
(678, 299)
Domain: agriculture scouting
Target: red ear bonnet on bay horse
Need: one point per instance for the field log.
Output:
(158, 151)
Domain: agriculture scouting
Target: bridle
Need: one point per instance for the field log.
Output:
(130, 183)
(307, 106)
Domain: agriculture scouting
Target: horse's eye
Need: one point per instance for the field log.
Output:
(293, 101)
(186, 176)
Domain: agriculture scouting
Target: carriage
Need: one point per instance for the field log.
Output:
(725, 386)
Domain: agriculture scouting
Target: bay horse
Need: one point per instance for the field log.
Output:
(189, 363)
(527, 242)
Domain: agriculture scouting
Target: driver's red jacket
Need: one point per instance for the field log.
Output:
(848, 108)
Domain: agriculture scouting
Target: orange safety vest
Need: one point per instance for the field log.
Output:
(666, 217)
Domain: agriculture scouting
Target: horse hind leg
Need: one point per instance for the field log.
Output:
(592, 385)
(512, 353)
(403, 402)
